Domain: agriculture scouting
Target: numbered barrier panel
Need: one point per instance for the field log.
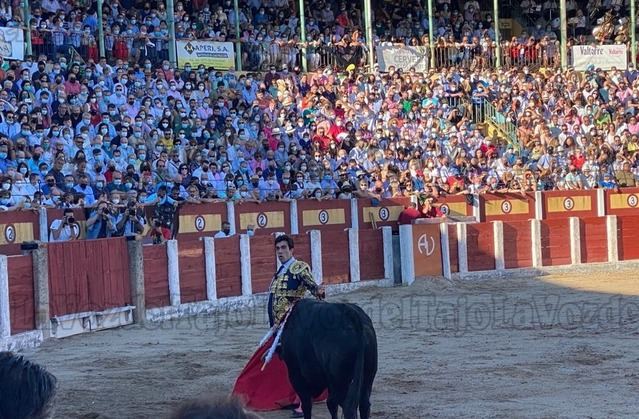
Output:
(453, 248)
(455, 206)
(624, 202)
(263, 262)
(323, 215)
(594, 239)
(198, 220)
(18, 227)
(517, 244)
(628, 237)
(79, 226)
(555, 242)
(192, 271)
(21, 297)
(507, 207)
(335, 257)
(371, 254)
(156, 276)
(427, 253)
(381, 213)
(267, 218)
(480, 247)
(227, 267)
(564, 204)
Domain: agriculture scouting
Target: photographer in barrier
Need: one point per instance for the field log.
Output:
(130, 222)
(61, 230)
(102, 223)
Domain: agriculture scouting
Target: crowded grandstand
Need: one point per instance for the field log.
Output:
(132, 129)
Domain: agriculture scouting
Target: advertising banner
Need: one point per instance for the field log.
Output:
(219, 55)
(12, 43)
(402, 57)
(599, 56)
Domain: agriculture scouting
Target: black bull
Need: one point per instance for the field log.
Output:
(331, 346)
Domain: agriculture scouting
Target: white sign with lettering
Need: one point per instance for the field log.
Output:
(599, 56)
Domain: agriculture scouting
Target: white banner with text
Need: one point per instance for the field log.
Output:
(599, 56)
(402, 57)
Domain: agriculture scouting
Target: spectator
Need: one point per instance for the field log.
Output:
(130, 223)
(102, 223)
(225, 232)
(63, 229)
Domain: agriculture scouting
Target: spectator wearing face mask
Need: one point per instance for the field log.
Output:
(225, 232)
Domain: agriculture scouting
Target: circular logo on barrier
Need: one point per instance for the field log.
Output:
(445, 209)
(506, 207)
(10, 233)
(76, 230)
(262, 220)
(569, 204)
(200, 223)
(323, 217)
(426, 244)
(632, 200)
(384, 214)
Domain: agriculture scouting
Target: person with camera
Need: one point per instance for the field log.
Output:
(102, 223)
(130, 222)
(61, 230)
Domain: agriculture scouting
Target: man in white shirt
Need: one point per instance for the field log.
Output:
(225, 232)
(61, 230)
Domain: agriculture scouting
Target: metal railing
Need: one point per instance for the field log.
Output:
(502, 123)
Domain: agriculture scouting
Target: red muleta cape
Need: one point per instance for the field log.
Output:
(268, 389)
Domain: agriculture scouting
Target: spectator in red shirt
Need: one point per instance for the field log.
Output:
(409, 214)
(431, 211)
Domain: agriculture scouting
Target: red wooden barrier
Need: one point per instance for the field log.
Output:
(517, 244)
(594, 239)
(267, 218)
(227, 267)
(371, 254)
(263, 262)
(302, 250)
(452, 248)
(385, 213)
(18, 227)
(454, 206)
(624, 202)
(555, 242)
(79, 227)
(427, 251)
(107, 265)
(21, 298)
(192, 271)
(156, 276)
(89, 275)
(198, 220)
(335, 257)
(481, 247)
(507, 207)
(323, 215)
(564, 204)
(68, 288)
(628, 237)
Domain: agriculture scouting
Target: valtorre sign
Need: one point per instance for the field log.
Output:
(601, 56)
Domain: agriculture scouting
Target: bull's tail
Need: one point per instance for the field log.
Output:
(355, 388)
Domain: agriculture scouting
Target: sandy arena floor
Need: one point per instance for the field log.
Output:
(554, 346)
